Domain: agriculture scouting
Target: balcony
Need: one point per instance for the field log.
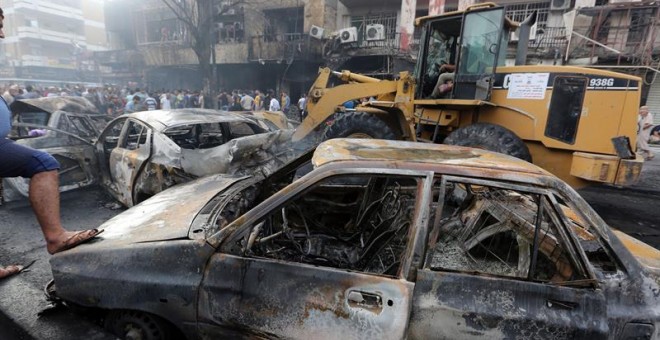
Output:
(284, 47)
(31, 60)
(28, 32)
(391, 45)
(61, 10)
(624, 33)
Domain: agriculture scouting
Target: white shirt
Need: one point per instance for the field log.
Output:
(274, 105)
(165, 103)
(301, 103)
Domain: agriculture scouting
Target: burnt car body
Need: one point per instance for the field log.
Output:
(382, 240)
(143, 153)
(152, 152)
(65, 127)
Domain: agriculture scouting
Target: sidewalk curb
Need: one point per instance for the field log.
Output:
(24, 324)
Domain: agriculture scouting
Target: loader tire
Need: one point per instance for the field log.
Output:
(360, 125)
(490, 137)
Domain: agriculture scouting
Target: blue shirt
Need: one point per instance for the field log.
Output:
(5, 118)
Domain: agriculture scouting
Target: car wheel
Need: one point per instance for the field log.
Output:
(490, 137)
(134, 325)
(359, 125)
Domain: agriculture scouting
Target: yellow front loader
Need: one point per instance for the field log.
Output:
(577, 123)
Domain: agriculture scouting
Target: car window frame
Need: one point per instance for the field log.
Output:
(224, 239)
(577, 257)
(91, 127)
(123, 137)
(604, 238)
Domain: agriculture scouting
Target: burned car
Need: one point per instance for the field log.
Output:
(64, 127)
(143, 153)
(381, 240)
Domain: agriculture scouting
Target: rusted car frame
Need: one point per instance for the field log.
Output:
(364, 246)
(144, 153)
(66, 128)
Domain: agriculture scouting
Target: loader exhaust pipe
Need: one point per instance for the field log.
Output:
(523, 38)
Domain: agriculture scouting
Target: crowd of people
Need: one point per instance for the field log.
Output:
(256, 100)
(113, 100)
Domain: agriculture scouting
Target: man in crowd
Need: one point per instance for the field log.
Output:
(258, 101)
(150, 103)
(246, 102)
(274, 104)
(165, 102)
(286, 102)
(42, 169)
(302, 105)
(644, 125)
(10, 95)
(133, 105)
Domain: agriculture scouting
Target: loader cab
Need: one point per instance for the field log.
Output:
(470, 44)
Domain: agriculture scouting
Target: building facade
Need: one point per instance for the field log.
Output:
(279, 44)
(52, 42)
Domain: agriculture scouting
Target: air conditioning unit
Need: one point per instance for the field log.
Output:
(374, 32)
(316, 32)
(560, 5)
(348, 35)
(224, 8)
(515, 35)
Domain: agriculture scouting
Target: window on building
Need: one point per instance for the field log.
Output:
(161, 26)
(518, 12)
(640, 21)
(284, 24)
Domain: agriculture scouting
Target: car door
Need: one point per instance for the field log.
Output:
(68, 140)
(326, 258)
(499, 264)
(128, 159)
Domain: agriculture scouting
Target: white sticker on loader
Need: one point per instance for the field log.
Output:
(526, 85)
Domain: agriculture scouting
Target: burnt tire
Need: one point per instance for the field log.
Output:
(360, 125)
(490, 137)
(134, 325)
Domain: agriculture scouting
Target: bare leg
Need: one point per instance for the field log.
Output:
(45, 200)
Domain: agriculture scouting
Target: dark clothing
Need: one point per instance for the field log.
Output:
(655, 129)
(20, 161)
(17, 160)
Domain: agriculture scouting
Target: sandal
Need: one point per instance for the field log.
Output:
(14, 269)
(78, 239)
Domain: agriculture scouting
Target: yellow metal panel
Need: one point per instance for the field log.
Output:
(556, 161)
(629, 171)
(647, 255)
(599, 168)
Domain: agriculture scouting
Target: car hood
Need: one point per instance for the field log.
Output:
(648, 256)
(166, 216)
(52, 104)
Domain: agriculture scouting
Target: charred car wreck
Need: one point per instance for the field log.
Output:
(138, 155)
(143, 153)
(382, 240)
(64, 127)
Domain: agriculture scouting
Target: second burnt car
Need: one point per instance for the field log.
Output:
(65, 127)
(140, 154)
(381, 240)
(143, 153)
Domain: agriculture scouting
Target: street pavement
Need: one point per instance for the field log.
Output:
(632, 210)
(21, 296)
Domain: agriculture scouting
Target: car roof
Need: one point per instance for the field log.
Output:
(393, 153)
(52, 104)
(164, 119)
